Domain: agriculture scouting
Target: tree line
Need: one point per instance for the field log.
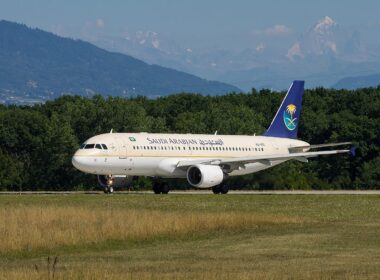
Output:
(37, 142)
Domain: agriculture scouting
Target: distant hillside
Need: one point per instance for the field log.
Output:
(39, 65)
(358, 82)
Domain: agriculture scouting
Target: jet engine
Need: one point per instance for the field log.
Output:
(204, 176)
(115, 181)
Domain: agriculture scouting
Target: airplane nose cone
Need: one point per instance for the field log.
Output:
(85, 163)
(75, 160)
(80, 162)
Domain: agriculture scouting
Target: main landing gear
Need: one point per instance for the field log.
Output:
(222, 188)
(160, 187)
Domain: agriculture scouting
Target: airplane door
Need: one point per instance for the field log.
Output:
(122, 148)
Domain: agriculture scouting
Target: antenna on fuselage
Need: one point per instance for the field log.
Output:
(216, 132)
(111, 130)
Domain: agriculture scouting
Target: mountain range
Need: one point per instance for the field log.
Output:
(36, 65)
(323, 54)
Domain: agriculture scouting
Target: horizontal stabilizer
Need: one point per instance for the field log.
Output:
(318, 146)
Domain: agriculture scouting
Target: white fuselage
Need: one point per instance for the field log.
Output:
(157, 155)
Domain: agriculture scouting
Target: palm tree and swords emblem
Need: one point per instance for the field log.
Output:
(289, 120)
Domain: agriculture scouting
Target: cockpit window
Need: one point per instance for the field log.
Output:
(94, 146)
(89, 146)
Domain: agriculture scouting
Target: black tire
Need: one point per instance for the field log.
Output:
(156, 188)
(164, 188)
(216, 189)
(106, 190)
(224, 189)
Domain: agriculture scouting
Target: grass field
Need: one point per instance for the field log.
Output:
(190, 237)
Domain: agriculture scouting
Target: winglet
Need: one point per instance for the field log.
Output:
(285, 123)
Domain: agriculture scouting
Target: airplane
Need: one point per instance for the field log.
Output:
(206, 161)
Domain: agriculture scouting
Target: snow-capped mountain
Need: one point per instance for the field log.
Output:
(319, 40)
(327, 37)
(322, 54)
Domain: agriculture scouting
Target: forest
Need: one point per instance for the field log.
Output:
(37, 142)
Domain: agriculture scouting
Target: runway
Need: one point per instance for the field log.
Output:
(204, 192)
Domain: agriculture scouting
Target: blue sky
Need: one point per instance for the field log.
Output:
(195, 20)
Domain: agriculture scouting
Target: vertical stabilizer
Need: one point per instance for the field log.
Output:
(285, 123)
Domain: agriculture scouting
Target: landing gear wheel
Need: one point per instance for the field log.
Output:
(164, 188)
(160, 188)
(216, 189)
(156, 188)
(224, 189)
(108, 190)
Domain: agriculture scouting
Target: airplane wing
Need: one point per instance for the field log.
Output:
(240, 162)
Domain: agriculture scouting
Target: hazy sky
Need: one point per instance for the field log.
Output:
(205, 21)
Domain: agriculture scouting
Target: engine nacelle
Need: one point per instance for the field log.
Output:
(114, 181)
(204, 176)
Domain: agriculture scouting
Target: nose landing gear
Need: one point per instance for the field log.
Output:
(108, 188)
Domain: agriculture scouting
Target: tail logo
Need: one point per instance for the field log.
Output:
(289, 121)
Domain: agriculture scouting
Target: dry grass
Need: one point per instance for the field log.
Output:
(100, 273)
(112, 271)
(190, 237)
(34, 227)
